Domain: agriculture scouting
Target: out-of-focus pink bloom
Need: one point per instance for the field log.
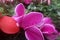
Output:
(4, 1)
(47, 20)
(41, 1)
(49, 2)
(27, 1)
(36, 26)
(59, 33)
(10, 0)
(45, 0)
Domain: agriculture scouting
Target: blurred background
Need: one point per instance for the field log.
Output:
(51, 10)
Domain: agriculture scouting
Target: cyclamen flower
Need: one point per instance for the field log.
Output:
(41, 1)
(36, 26)
(49, 2)
(4, 1)
(27, 1)
(10, 0)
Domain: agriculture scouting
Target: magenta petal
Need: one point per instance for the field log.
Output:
(20, 9)
(32, 18)
(49, 31)
(47, 20)
(48, 28)
(59, 34)
(33, 33)
(15, 17)
(52, 36)
(18, 19)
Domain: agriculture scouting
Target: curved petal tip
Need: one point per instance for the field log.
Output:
(47, 20)
(20, 9)
(49, 29)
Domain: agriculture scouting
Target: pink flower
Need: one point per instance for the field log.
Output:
(49, 2)
(41, 1)
(27, 1)
(36, 26)
(10, 0)
(4, 1)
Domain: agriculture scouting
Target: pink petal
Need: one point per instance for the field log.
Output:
(19, 12)
(33, 33)
(16, 18)
(47, 20)
(20, 9)
(32, 18)
(52, 36)
(27, 1)
(48, 28)
(49, 2)
(59, 33)
(49, 31)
